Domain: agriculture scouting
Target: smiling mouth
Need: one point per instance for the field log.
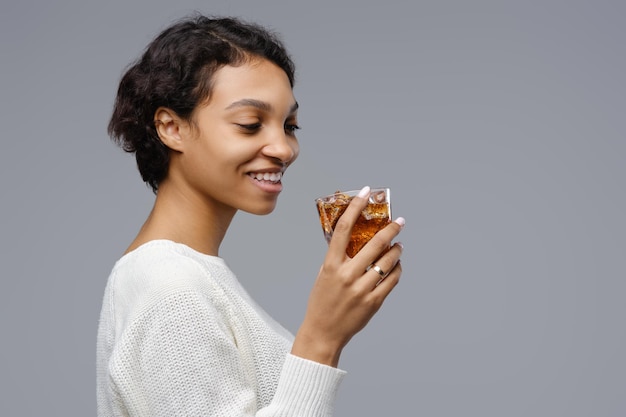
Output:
(273, 177)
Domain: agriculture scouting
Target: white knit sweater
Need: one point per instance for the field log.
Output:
(179, 336)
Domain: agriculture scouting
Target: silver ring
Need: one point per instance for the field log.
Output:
(380, 271)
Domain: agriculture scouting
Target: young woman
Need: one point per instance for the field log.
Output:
(210, 115)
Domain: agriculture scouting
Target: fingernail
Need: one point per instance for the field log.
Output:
(400, 244)
(364, 192)
(400, 221)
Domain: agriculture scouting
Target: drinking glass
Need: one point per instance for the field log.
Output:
(375, 216)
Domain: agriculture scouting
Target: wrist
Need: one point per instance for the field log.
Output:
(316, 349)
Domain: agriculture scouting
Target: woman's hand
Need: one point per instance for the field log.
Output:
(348, 291)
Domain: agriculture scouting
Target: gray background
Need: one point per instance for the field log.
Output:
(499, 127)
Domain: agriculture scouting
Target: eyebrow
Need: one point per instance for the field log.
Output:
(261, 105)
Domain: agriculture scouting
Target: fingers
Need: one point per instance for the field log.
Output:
(343, 228)
(383, 286)
(385, 267)
(378, 259)
(379, 244)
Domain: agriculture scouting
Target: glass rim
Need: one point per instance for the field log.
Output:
(353, 193)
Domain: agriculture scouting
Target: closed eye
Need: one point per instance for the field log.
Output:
(251, 128)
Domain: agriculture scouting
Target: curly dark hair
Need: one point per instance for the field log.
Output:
(175, 71)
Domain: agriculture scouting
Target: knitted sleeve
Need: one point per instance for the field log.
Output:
(178, 358)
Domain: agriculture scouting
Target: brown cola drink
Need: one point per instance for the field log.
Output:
(375, 216)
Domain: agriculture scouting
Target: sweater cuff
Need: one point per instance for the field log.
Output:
(307, 388)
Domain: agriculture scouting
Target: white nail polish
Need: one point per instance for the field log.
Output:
(364, 192)
(400, 221)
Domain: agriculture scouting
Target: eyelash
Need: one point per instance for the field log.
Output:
(291, 128)
(251, 128)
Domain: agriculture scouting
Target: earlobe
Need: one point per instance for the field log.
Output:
(169, 128)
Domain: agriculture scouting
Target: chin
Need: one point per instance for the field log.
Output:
(260, 210)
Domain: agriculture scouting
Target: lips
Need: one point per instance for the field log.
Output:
(273, 177)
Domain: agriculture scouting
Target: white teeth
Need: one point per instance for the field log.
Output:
(267, 176)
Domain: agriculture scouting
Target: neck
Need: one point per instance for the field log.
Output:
(184, 217)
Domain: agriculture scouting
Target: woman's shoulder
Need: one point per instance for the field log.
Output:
(162, 273)
(164, 251)
(163, 266)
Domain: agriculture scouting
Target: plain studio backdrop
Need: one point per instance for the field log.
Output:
(498, 125)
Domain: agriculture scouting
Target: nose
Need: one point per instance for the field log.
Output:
(282, 147)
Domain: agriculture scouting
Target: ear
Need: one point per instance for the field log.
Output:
(171, 128)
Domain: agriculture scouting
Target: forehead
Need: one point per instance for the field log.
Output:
(257, 79)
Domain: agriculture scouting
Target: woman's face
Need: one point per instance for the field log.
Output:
(243, 139)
